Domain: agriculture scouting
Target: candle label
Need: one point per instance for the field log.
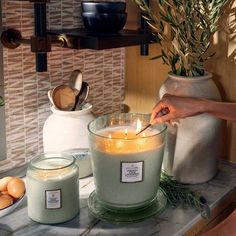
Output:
(132, 172)
(80, 154)
(53, 199)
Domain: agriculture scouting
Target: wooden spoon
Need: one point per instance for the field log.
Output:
(63, 97)
(75, 80)
(82, 96)
(50, 97)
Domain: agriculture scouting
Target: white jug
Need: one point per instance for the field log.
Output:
(66, 130)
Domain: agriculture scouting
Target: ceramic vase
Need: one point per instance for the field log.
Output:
(192, 147)
(66, 131)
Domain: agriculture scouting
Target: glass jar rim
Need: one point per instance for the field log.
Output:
(164, 126)
(50, 156)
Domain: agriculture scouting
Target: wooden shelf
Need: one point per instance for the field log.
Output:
(83, 39)
(79, 38)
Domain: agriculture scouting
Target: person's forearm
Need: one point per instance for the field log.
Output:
(182, 107)
(223, 110)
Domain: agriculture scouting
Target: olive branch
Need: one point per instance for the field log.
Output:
(184, 30)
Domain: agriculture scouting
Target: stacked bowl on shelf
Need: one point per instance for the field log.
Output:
(104, 16)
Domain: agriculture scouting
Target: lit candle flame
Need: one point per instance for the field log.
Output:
(126, 133)
(138, 126)
(109, 136)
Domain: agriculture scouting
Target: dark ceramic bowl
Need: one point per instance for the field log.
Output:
(103, 7)
(104, 22)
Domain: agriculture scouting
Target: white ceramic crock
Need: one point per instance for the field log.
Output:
(67, 130)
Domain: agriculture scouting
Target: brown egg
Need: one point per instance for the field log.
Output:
(7, 196)
(4, 192)
(16, 187)
(5, 201)
(3, 183)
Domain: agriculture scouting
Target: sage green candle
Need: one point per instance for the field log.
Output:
(126, 167)
(52, 188)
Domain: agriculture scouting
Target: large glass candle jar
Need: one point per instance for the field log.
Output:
(126, 166)
(52, 188)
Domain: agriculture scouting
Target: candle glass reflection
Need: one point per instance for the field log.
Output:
(126, 166)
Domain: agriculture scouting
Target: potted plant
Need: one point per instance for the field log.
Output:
(184, 29)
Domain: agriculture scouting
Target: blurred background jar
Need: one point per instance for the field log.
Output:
(83, 160)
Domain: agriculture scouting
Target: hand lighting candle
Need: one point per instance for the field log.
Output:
(52, 188)
(126, 166)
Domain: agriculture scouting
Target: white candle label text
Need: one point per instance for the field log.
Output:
(53, 199)
(132, 172)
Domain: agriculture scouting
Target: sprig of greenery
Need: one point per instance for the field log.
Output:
(1, 101)
(184, 29)
(178, 194)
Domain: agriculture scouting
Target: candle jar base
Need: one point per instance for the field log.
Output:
(122, 215)
(126, 207)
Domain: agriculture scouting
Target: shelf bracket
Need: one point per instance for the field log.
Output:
(144, 48)
(12, 38)
(40, 26)
(40, 42)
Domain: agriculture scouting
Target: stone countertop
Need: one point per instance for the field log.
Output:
(172, 222)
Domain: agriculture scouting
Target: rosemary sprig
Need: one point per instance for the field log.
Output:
(178, 194)
(1, 101)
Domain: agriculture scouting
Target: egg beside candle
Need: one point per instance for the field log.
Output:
(11, 189)
(16, 187)
(4, 181)
(5, 201)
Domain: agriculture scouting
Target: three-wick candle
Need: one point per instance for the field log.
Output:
(126, 167)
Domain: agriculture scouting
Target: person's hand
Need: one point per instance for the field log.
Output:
(179, 107)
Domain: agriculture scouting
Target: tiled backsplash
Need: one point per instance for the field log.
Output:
(27, 105)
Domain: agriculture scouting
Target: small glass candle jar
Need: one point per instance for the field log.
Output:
(126, 166)
(52, 188)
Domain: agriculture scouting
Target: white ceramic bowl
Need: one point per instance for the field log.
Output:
(12, 207)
